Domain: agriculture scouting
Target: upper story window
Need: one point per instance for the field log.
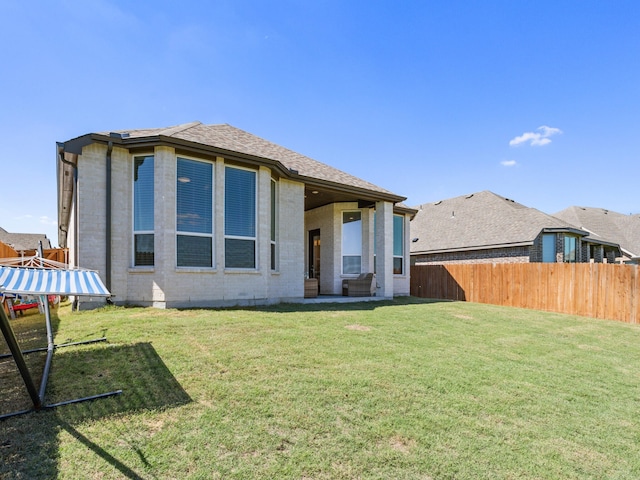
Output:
(570, 249)
(194, 213)
(351, 242)
(398, 244)
(143, 211)
(240, 218)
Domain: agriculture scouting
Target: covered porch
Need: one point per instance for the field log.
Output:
(349, 233)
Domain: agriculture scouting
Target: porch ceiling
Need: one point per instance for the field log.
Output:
(315, 197)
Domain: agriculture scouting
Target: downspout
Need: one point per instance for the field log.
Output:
(75, 183)
(108, 221)
(74, 166)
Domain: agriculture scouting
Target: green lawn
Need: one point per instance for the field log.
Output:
(408, 389)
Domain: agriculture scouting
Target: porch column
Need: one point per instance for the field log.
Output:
(384, 249)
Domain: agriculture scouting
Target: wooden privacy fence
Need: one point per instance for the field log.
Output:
(57, 254)
(597, 290)
(6, 251)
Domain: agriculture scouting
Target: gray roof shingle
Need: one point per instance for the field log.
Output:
(478, 221)
(233, 139)
(617, 227)
(24, 241)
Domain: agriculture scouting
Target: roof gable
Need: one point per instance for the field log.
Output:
(615, 227)
(24, 241)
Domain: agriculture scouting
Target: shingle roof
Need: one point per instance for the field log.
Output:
(227, 137)
(24, 241)
(617, 227)
(478, 221)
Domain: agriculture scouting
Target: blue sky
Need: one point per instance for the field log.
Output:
(537, 101)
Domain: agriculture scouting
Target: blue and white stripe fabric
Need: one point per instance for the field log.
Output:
(44, 281)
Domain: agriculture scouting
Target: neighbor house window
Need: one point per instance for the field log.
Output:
(398, 244)
(274, 224)
(143, 239)
(351, 242)
(194, 219)
(570, 247)
(549, 248)
(240, 218)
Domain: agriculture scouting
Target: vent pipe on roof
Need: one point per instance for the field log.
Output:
(119, 135)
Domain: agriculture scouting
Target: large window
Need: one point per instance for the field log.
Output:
(570, 248)
(143, 211)
(351, 242)
(194, 220)
(549, 248)
(398, 244)
(274, 224)
(240, 218)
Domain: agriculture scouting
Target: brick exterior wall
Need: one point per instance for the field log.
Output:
(164, 285)
(494, 255)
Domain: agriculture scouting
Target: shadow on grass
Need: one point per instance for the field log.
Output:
(341, 306)
(29, 443)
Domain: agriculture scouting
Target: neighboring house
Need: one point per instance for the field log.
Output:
(486, 228)
(209, 215)
(22, 242)
(620, 228)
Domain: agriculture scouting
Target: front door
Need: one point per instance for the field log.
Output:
(314, 255)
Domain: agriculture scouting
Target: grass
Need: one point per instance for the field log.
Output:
(405, 389)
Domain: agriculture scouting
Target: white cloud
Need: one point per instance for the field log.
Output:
(44, 220)
(508, 163)
(536, 139)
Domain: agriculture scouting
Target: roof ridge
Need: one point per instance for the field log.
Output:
(170, 131)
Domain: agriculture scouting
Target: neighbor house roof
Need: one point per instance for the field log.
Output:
(226, 139)
(24, 241)
(479, 221)
(617, 227)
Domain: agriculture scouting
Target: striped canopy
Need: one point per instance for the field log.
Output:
(46, 281)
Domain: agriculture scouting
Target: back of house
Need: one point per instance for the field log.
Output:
(209, 215)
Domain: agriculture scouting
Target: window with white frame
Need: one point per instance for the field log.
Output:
(398, 244)
(351, 242)
(274, 224)
(194, 213)
(143, 211)
(240, 218)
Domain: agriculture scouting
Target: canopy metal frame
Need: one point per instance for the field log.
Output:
(38, 395)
